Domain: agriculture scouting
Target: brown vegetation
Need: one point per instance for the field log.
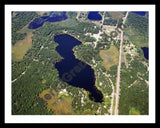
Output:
(60, 106)
(21, 47)
(110, 57)
(116, 15)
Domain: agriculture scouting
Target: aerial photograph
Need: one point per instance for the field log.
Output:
(80, 62)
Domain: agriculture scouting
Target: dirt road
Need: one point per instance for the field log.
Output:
(119, 71)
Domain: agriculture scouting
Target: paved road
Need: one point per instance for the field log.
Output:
(119, 71)
(118, 78)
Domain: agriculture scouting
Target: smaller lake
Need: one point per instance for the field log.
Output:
(141, 13)
(52, 17)
(94, 16)
(146, 52)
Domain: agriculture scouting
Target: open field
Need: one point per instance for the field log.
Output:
(59, 106)
(25, 30)
(20, 48)
(116, 15)
(110, 57)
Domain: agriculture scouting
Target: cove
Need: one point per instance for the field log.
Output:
(94, 16)
(74, 71)
(52, 17)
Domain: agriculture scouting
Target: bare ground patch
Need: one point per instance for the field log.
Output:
(41, 12)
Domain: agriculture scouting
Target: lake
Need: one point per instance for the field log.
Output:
(74, 71)
(141, 13)
(94, 16)
(52, 17)
(145, 52)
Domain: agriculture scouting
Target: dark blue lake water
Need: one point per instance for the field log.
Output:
(94, 16)
(146, 52)
(74, 71)
(141, 13)
(52, 17)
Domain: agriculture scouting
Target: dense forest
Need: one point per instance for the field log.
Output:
(138, 22)
(134, 89)
(137, 28)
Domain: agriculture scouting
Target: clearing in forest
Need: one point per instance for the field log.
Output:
(116, 15)
(21, 47)
(58, 105)
(110, 57)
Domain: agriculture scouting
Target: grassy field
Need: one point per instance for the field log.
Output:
(59, 106)
(20, 48)
(116, 15)
(110, 57)
(67, 23)
(133, 111)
